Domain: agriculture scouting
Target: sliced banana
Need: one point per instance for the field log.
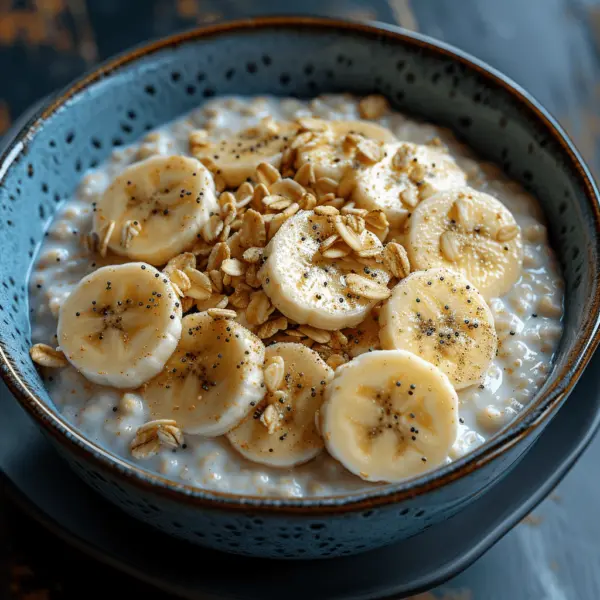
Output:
(155, 208)
(407, 174)
(214, 378)
(120, 324)
(331, 153)
(310, 288)
(441, 317)
(389, 415)
(282, 431)
(471, 232)
(236, 157)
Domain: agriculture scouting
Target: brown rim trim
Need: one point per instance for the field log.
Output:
(526, 424)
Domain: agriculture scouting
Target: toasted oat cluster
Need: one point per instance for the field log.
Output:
(299, 284)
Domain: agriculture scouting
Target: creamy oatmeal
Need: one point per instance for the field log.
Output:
(295, 298)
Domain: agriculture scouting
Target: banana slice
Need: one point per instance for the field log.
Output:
(310, 288)
(389, 415)
(155, 208)
(236, 157)
(331, 153)
(407, 174)
(120, 324)
(214, 378)
(471, 232)
(282, 432)
(441, 317)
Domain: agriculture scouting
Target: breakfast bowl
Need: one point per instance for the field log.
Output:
(97, 118)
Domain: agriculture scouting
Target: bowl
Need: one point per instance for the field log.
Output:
(115, 104)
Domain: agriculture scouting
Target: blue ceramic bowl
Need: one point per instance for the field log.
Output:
(141, 89)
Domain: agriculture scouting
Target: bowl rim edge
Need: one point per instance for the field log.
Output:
(536, 413)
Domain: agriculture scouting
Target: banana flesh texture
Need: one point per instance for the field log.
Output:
(397, 422)
(282, 431)
(212, 380)
(120, 324)
(235, 158)
(156, 208)
(310, 288)
(470, 232)
(441, 317)
(407, 174)
(328, 152)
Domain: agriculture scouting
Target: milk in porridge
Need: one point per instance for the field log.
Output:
(391, 295)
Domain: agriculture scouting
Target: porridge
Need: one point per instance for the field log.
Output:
(295, 298)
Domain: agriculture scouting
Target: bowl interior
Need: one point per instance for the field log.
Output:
(44, 166)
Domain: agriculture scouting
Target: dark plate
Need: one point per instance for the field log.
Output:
(45, 486)
(491, 113)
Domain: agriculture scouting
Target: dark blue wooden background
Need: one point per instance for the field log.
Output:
(551, 47)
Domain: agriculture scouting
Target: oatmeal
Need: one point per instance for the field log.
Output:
(295, 298)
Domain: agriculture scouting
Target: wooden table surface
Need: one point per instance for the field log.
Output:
(551, 47)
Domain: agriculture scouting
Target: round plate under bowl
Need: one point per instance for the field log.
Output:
(39, 479)
(291, 527)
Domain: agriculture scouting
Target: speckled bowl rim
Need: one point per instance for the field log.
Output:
(542, 407)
